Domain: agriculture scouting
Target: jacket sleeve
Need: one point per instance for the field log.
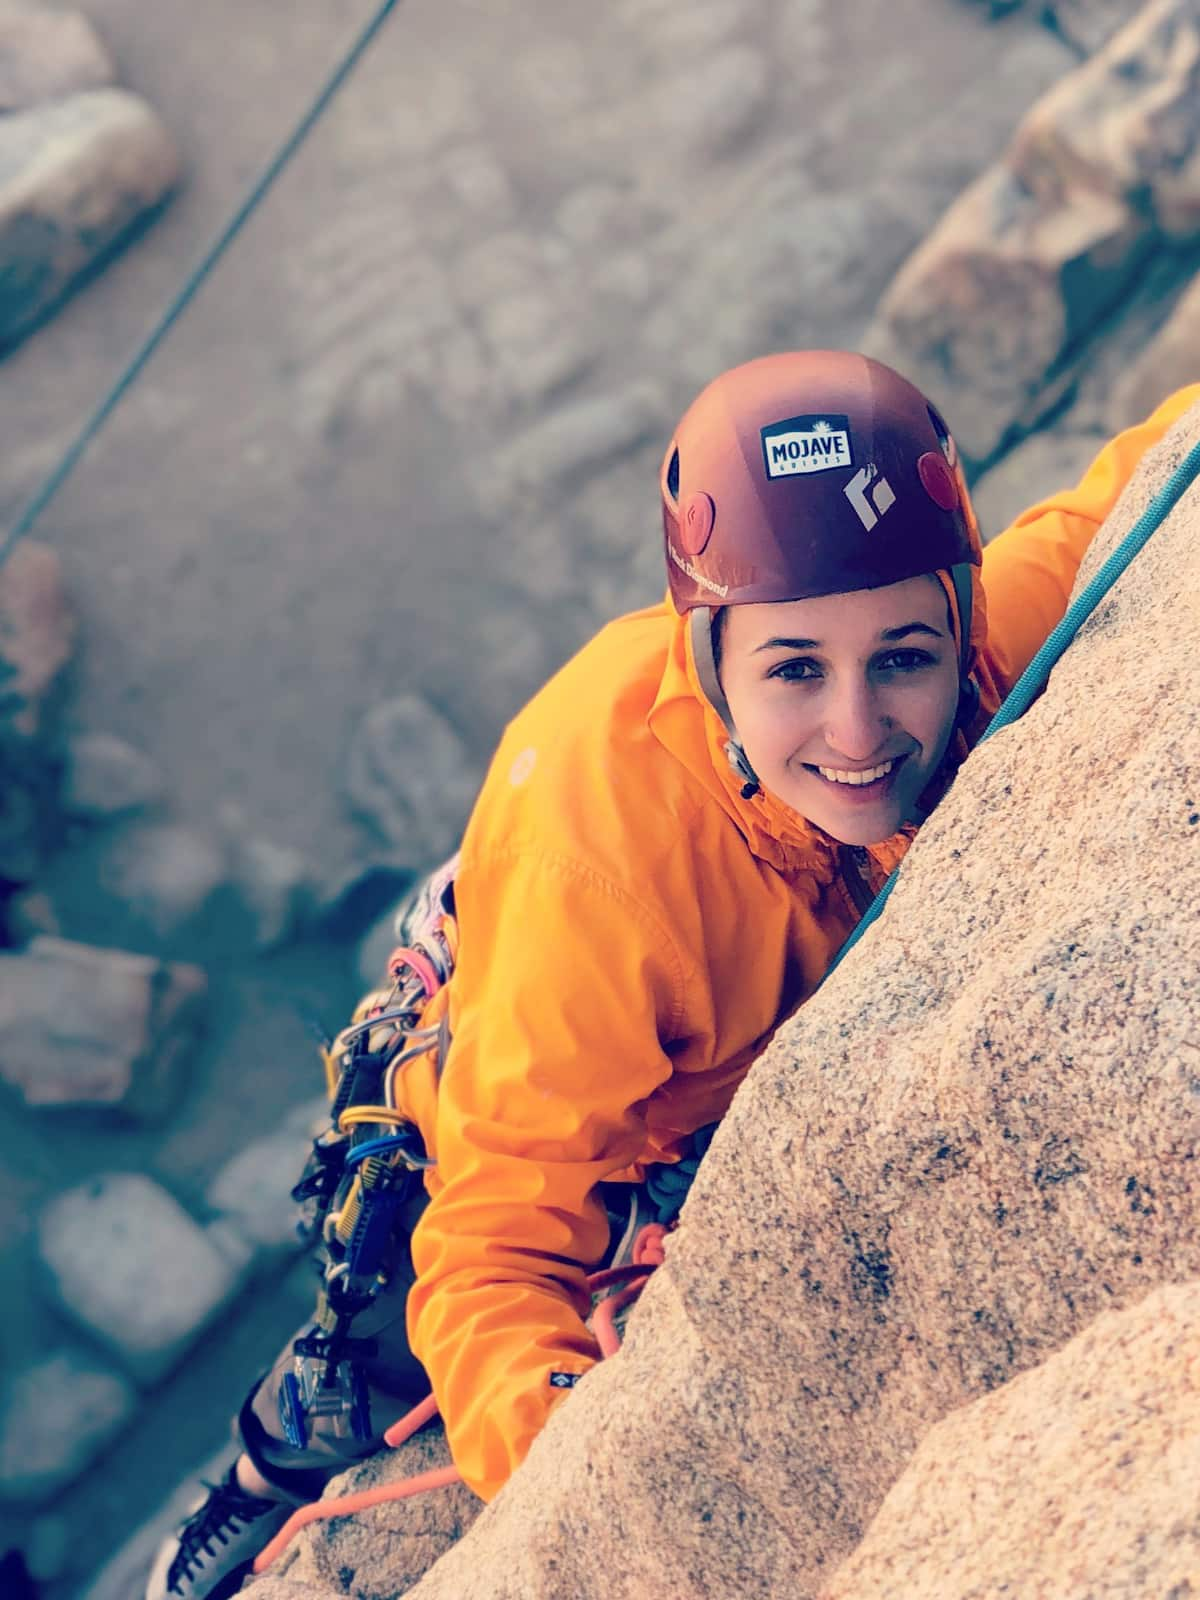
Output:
(1029, 569)
(570, 988)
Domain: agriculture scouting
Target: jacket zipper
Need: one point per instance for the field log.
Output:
(860, 889)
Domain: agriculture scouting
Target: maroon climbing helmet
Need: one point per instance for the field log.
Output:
(811, 473)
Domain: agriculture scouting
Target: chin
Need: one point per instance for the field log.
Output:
(857, 832)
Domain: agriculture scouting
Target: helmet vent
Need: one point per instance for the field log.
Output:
(944, 437)
(673, 475)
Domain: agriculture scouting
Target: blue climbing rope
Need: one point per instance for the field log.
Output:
(1033, 680)
(38, 502)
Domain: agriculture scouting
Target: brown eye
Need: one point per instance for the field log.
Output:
(795, 671)
(906, 660)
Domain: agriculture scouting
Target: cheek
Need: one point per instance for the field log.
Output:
(774, 720)
(933, 713)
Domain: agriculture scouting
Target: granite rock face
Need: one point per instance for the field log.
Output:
(978, 1137)
(1076, 1478)
(382, 1553)
(1103, 171)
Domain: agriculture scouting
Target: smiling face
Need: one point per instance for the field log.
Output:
(845, 704)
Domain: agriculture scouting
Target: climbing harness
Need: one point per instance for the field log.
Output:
(1033, 680)
(366, 1167)
(257, 193)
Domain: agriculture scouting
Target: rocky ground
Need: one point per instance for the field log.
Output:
(404, 445)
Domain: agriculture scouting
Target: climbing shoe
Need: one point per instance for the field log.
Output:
(210, 1556)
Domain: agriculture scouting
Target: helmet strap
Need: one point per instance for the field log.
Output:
(960, 577)
(700, 620)
(968, 696)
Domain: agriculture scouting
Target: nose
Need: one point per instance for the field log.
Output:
(857, 724)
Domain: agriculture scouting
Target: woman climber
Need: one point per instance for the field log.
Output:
(674, 840)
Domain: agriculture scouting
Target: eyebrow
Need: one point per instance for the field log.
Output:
(889, 636)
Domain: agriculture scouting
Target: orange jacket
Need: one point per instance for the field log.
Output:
(632, 933)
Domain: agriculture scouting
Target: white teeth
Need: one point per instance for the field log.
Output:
(856, 779)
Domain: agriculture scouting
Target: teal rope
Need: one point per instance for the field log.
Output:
(257, 193)
(1033, 680)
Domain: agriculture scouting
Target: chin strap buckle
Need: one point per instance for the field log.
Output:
(740, 763)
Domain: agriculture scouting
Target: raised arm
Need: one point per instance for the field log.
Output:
(1029, 569)
(568, 987)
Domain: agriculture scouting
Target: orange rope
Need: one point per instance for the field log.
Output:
(409, 1424)
(348, 1504)
(604, 1327)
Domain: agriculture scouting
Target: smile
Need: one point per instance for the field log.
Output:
(873, 779)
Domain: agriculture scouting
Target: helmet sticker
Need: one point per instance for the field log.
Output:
(800, 445)
(871, 495)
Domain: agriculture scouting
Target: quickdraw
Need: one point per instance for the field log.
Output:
(365, 1168)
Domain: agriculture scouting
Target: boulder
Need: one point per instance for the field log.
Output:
(272, 880)
(76, 176)
(81, 1026)
(981, 1134)
(578, 441)
(103, 777)
(37, 634)
(409, 772)
(1169, 361)
(47, 54)
(160, 878)
(993, 308)
(55, 1417)
(127, 1263)
(253, 1190)
(1124, 124)
(1086, 25)
(1076, 1478)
